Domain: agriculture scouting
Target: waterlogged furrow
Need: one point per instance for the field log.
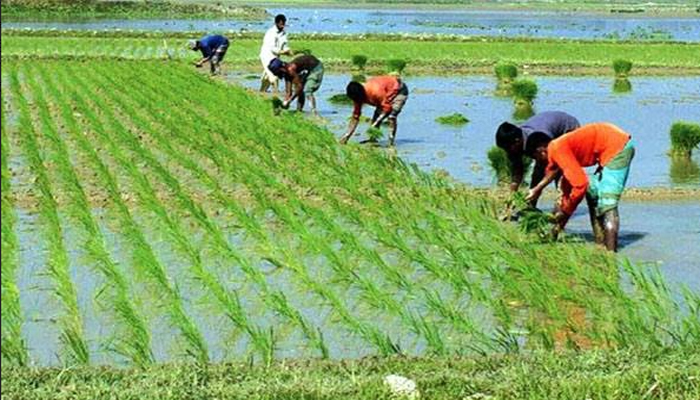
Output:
(228, 301)
(274, 299)
(131, 338)
(143, 258)
(14, 351)
(71, 323)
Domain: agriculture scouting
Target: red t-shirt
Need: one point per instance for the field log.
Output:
(591, 144)
(380, 91)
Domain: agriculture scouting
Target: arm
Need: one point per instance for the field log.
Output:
(550, 175)
(207, 54)
(517, 172)
(353, 123)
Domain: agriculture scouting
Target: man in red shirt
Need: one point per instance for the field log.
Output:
(601, 144)
(387, 93)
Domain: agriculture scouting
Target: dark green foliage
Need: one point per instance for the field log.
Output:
(622, 85)
(525, 89)
(452, 119)
(340, 98)
(359, 61)
(685, 136)
(622, 67)
(506, 71)
(500, 164)
(396, 65)
(374, 134)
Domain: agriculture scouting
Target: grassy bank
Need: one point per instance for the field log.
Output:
(612, 375)
(423, 54)
(81, 10)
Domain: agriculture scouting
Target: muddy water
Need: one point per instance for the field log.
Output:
(646, 112)
(483, 23)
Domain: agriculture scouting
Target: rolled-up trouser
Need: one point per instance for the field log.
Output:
(267, 75)
(314, 80)
(606, 185)
(399, 101)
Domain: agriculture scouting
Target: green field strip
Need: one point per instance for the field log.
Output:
(75, 348)
(143, 259)
(421, 55)
(14, 350)
(131, 338)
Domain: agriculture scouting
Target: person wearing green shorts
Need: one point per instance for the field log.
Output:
(601, 144)
(303, 76)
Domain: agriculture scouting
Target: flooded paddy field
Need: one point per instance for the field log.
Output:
(540, 24)
(646, 112)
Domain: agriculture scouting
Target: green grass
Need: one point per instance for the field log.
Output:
(685, 137)
(622, 68)
(614, 375)
(506, 72)
(525, 89)
(430, 54)
(452, 119)
(359, 61)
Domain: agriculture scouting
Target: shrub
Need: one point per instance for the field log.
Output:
(452, 119)
(685, 136)
(506, 71)
(396, 65)
(359, 61)
(525, 89)
(622, 67)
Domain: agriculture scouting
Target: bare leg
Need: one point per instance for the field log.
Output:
(392, 131)
(312, 100)
(264, 83)
(596, 222)
(611, 226)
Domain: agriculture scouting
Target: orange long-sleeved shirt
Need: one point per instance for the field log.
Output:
(380, 91)
(591, 144)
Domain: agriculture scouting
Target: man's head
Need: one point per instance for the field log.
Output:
(280, 22)
(193, 44)
(278, 67)
(356, 92)
(536, 146)
(509, 137)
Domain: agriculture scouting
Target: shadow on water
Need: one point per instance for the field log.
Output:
(625, 238)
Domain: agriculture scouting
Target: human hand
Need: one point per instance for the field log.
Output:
(532, 195)
(198, 64)
(285, 104)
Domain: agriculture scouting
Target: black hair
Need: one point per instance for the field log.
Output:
(507, 134)
(355, 91)
(276, 67)
(280, 18)
(535, 141)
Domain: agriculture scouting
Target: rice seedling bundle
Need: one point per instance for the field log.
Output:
(452, 119)
(506, 72)
(622, 68)
(359, 61)
(685, 137)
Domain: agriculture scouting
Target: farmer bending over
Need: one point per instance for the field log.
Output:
(304, 75)
(387, 93)
(213, 48)
(601, 144)
(513, 139)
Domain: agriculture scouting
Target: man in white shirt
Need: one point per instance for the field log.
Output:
(274, 45)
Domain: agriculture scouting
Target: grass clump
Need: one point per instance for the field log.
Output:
(359, 61)
(501, 165)
(374, 134)
(452, 119)
(685, 137)
(622, 68)
(340, 98)
(525, 89)
(396, 65)
(506, 72)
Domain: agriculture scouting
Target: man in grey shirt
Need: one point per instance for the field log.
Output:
(513, 139)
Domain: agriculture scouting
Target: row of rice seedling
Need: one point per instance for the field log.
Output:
(13, 347)
(142, 256)
(131, 337)
(75, 348)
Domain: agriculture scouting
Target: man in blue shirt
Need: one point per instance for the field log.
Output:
(213, 48)
(513, 139)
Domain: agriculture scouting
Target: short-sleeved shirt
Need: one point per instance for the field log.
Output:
(302, 65)
(380, 92)
(274, 42)
(209, 44)
(552, 123)
(592, 144)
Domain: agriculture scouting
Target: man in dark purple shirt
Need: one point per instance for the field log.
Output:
(213, 48)
(513, 139)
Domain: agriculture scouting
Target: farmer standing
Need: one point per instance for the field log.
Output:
(601, 144)
(213, 48)
(387, 93)
(513, 139)
(303, 77)
(274, 45)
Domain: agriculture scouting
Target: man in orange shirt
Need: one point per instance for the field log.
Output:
(601, 144)
(387, 93)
